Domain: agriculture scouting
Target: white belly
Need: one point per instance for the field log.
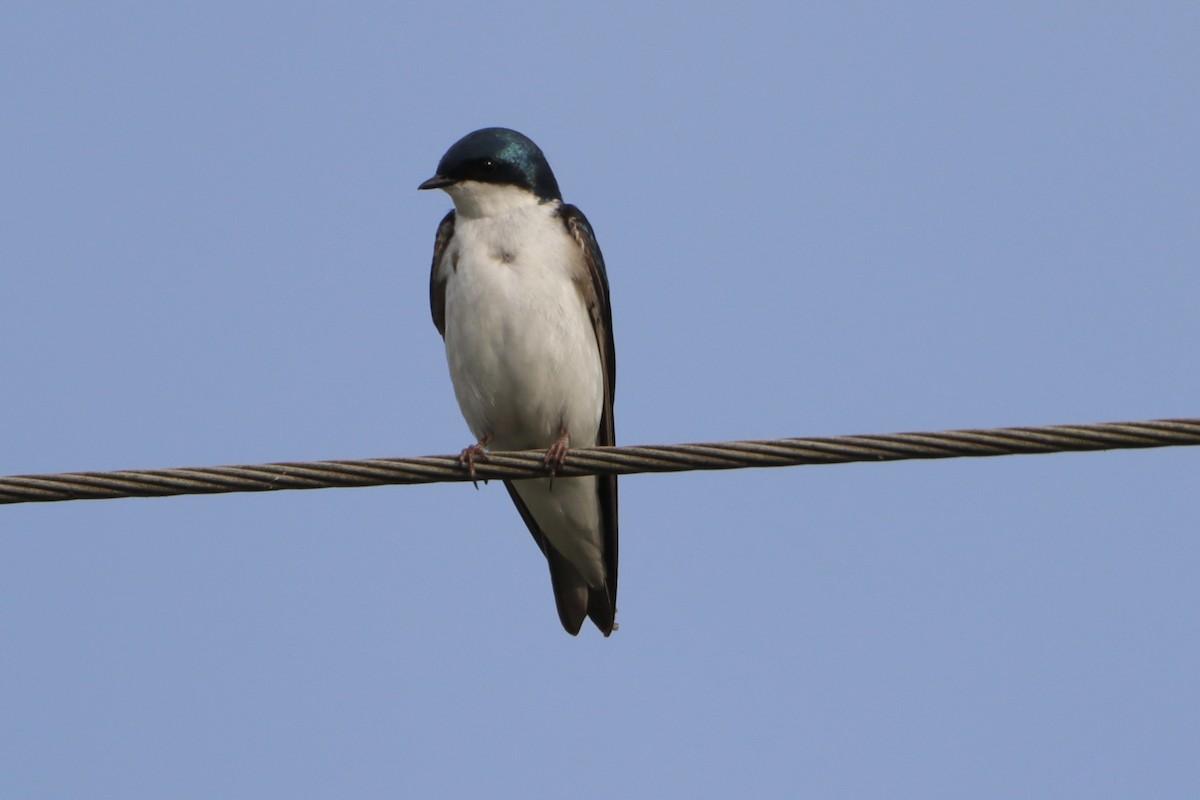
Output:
(522, 353)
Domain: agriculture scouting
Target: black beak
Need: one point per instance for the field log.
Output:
(437, 182)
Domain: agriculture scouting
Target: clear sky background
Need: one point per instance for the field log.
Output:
(818, 220)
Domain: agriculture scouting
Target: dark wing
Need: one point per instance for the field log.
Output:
(437, 283)
(595, 293)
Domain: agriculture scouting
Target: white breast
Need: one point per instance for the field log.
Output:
(522, 353)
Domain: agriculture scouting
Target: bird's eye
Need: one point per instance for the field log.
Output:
(484, 169)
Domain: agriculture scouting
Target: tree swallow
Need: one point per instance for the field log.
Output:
(520, 296)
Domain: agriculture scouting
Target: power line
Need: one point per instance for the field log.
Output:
(595, 460)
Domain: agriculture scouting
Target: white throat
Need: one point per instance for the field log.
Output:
(474, 199)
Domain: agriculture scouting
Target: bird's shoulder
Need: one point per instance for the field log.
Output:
(437, 275)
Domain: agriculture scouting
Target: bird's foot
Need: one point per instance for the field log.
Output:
(469, 455)
(557, 454)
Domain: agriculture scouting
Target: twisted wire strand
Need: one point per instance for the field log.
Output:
(600, 460)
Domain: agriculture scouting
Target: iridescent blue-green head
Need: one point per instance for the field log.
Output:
(498, 156)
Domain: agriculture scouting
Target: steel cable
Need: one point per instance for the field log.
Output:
(596, 460)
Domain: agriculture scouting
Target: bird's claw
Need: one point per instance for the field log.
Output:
(557, 453)
(469, 455)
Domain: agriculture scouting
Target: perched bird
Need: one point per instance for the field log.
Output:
(520, 296)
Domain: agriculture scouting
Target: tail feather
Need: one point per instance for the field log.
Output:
(575, 599)
(601, 610)
(570, 591)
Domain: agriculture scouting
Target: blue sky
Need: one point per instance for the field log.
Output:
(818, 220)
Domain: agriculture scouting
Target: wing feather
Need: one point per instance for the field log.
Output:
(595, 294)
(437, 277)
